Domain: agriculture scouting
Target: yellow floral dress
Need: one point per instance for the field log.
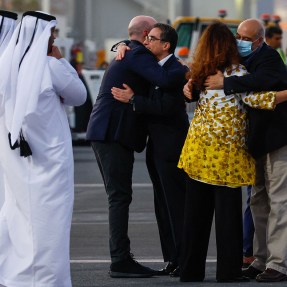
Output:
(215, 148)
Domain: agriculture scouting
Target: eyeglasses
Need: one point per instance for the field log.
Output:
(152, 39)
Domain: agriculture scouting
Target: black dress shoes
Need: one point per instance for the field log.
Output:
(170, 267)
(175, 272)
(234, 279)
(271, 275)
(251, 272)
(130, 268)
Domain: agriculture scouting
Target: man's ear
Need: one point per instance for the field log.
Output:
(166, 46)
(261, 40)
(145, 32)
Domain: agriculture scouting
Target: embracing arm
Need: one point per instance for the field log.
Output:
(116, 46)
(145, 65)
(281, 97)
(267, 75)
(120, 48)
(264, 100)
(159, 103)
(162, 103)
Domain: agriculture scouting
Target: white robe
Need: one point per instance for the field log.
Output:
(36, 216)
(5, 36)
(2, 190)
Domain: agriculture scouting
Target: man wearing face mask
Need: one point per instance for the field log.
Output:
(267, 142)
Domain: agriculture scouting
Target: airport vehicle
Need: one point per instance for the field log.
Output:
(189, 30)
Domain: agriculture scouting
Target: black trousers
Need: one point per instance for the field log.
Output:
(116, 165)
(202, 201)
(169, 184)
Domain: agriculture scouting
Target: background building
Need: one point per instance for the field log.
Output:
(95, 24)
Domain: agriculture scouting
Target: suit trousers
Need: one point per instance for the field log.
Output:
(169, 184)
(116, 165)
(269, 211)
(202, 201)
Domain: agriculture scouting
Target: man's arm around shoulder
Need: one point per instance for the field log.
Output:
(266, 72)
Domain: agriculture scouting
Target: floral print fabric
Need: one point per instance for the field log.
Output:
(215, 150)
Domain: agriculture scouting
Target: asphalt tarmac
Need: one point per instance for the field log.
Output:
(90, 259)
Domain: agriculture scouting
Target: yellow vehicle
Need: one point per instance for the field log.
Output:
(189, 30)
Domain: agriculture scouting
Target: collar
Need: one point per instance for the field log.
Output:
(164, 60)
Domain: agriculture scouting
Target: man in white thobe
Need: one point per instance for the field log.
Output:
(36, 216)
(7, 25)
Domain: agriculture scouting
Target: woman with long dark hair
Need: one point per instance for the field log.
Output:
(216, 160)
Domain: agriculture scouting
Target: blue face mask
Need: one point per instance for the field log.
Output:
(244, 48)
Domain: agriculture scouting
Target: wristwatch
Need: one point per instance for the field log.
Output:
(132, 100)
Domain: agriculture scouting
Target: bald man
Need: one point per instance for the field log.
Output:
(115, 132)
(267, 142)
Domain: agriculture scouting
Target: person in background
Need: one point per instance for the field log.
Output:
(7, 26)
(82, 112)
(267, 143)
(116, 132)
(273, 37)
(36, 217)
(216, 159)
(167, 124)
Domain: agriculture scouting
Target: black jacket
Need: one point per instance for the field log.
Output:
(267, 130)
(114, 121)
(165, 112)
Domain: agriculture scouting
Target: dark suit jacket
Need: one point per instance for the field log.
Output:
(165, 111)
(112, 120)
(267, 129)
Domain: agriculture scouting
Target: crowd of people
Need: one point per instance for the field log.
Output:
(236, 138)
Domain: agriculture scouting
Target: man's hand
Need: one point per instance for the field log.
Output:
(121, 51)
(55, 53)
(187, 89)
(122, 95)
(214, 82)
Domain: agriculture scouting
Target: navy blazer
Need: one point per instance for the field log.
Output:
(165, 112)
(267, 130)
(114, 121)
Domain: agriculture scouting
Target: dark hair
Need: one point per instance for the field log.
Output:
(270, 31)
(216, 50)
(168, 34)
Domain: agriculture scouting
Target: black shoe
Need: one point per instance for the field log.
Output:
(234, 279)
(170, 267)
(191, 279)
(251, 272)
(130, 268)
(271, 275)
(174, 273)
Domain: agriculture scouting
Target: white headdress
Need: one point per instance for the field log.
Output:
(25, 75)
(7, 26)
